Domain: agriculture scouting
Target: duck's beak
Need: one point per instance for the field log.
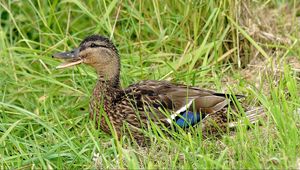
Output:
(71, 58)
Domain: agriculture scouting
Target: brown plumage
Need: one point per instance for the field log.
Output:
(132, 108)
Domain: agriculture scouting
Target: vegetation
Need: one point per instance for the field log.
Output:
(249, 47)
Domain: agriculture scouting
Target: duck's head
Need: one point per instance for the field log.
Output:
(96, 51)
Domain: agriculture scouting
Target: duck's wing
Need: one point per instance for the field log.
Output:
(167, 102)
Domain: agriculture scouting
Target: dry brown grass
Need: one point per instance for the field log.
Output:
(276, 30)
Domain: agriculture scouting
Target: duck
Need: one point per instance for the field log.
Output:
(122, 111)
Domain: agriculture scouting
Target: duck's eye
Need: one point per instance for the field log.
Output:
(93, 45)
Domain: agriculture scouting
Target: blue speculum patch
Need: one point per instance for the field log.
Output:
(186, 119)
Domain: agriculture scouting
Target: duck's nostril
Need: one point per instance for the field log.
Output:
(52, 56)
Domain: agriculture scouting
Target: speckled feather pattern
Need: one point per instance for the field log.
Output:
(129, 110)
(133, 105)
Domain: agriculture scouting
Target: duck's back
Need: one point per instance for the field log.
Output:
(164, 102)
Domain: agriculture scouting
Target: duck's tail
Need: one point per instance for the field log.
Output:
(252, 116)
(216, 124)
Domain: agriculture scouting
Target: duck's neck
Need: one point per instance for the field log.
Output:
(104, 96)
(109, 74)
(107, 89)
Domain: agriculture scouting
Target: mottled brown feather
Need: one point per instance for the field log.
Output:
(131, 109)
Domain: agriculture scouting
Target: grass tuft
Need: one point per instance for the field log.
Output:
(245, 47)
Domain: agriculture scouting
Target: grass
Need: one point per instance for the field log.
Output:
(44, 112)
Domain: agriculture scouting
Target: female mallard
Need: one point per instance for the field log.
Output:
(161, 102)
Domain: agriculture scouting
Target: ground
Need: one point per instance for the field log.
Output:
(249, 48)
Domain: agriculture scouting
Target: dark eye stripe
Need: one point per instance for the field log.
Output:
(93, 45)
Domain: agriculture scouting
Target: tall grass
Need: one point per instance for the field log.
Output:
(43, 112)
